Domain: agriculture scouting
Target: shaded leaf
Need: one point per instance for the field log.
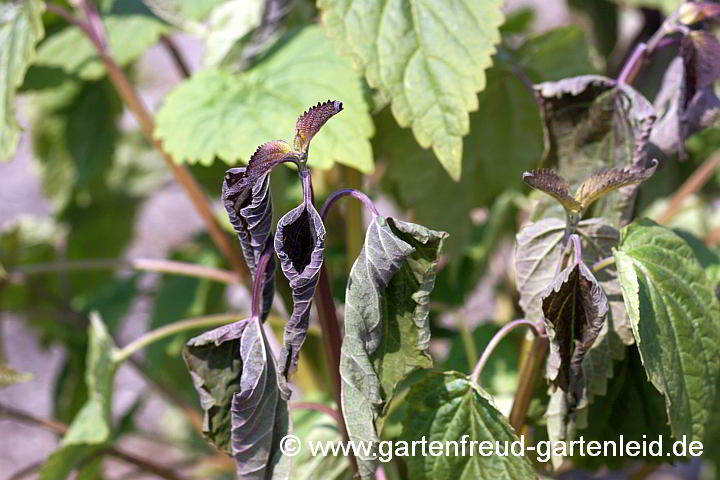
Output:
(554, 185)
(593, 124)
(508, 105)
(21, 28)
(222, 107)
(387, 333)
(90, 429)
(559, 53)
(675, 316)
(70, 51)
(429, 61)
(234, 374)
(300, 246)
(447, 406)
(313, 427)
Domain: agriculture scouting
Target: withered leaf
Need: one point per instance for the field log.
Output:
(575, 308)
(312, 121)
(593, 123)
(300, 246)
(234, 373)
(246, 197)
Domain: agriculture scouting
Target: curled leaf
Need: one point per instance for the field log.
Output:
(312, 121)
(387, 333)
(246, 196)
(235, 376)
(300, 246)
(605, 181)
(575, 307)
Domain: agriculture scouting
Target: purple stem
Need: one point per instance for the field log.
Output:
(577, 245)
(627, 74)
(495, 340)
(348, 192)
(259, 281)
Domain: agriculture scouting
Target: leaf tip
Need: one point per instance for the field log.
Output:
(310, 122)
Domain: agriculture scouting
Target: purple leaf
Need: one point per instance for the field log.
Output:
(300, 246)
(312, 121)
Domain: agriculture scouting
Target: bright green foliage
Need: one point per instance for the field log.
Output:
(675, 319)
(91, 427)
(447, 406)
(20, 30)
(224, 114)
(72, 53)
(428, 57)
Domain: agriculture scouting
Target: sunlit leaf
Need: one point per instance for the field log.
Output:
(554, 185)
(21, 28)
(447, 406)
(300, 246)
(227, 24)
(428, 57)
(387, 334)
(675, 315)
(233, 113)
(310, 123)
(605, 181)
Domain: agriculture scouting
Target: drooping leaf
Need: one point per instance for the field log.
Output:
(223, 108)
(508, 105)
(235, 376)
(90, 429)
(429, 58)
(675, 316)
(71, 53)
(387, 333)
(21, 28)
(247, 200)
(9, 376)
(595, 124)
(575, 307)
(538, 252)
(300, 246)
(447, 406)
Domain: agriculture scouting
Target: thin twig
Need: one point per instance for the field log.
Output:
(19, 273)
(144, 118)
(692, 185)
(173, 328)
(61, 429)
(495, 341)
(528, 376)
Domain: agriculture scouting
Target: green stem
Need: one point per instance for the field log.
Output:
(604, 263)
(468, 342)
(354, 225)
(142, 264)
(171, 329)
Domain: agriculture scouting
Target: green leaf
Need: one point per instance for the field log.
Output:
(447, 406)
(557, 54)
(428, 57)
(90, 429)
(233, 113)
(665, 6)
(21, 29)
(313, 427)
(386, 338)
(595, 124)
(228, 23)
(235, 376)
(675, 317)
(493, 161)
(9, 376)
(72, 53)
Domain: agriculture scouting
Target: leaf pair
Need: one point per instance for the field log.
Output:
(595, 187)
(300, 234)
